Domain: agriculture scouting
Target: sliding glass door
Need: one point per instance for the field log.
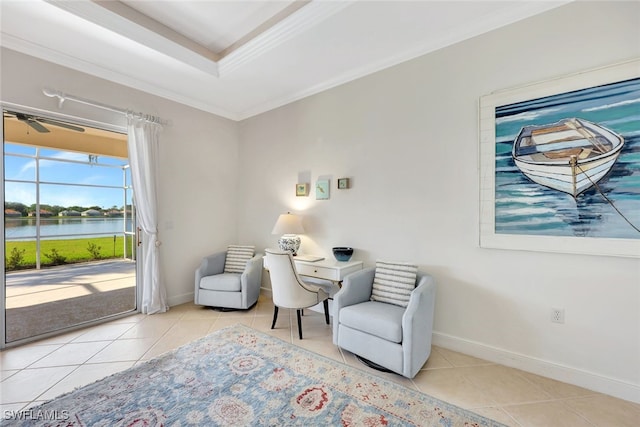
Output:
(68, 226)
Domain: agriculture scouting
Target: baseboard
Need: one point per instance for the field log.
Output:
(566, 374)
(188, 297)
(265, 290)
(180, 299)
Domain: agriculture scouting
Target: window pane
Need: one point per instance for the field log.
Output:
(75, 173)
(19, 149)
(104, 160)
(99, 210)
(18, 192)
(20, 168)
(81, 198)
(19, 198)
(82, 157)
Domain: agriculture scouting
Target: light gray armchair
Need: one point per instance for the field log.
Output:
(215, 288)
(390, 336)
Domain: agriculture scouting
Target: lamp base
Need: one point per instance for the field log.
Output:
(289, 243)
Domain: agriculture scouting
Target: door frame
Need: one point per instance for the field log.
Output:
(81, 122)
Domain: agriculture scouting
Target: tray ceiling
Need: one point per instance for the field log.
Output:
(241, 58)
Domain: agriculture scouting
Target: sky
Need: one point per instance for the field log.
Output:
(57, 168)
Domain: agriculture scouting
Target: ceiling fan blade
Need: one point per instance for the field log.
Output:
(31, 122)
(37, 126)
(61, 124)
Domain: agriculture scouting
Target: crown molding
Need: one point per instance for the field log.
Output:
(298, 22)
(291, 26)
(483, 24)
(47, 54)
(128, 23)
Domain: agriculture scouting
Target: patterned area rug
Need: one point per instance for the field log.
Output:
(241, 377)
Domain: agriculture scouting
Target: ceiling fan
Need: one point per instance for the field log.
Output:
(36, 122)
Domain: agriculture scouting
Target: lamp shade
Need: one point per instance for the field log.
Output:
(288, 224)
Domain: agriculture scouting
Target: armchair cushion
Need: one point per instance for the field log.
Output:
(225, 282)
(375, 318)
(394, 282)
(237, 257)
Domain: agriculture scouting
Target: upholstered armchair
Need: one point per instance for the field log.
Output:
(230, 279)
(385, 334)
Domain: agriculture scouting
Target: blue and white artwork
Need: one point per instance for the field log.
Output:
(530, 197)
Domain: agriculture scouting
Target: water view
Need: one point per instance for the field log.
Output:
(64, 228)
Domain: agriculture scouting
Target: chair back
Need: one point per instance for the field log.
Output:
(286, 286)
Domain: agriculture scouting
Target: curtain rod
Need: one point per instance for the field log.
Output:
(66, 97)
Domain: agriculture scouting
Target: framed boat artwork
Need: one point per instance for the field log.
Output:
(560, 164)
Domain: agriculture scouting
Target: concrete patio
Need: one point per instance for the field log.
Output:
(47, 300)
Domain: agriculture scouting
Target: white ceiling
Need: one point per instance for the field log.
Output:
(241, 58)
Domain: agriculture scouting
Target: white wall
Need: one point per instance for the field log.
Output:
(198, 160)
(408, 139)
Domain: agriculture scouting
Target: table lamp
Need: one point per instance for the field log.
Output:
(288, 225)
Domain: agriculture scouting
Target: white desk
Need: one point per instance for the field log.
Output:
(327, 269)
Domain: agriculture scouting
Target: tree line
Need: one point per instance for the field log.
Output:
(54, 209)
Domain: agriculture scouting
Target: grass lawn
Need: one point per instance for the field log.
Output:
(22, 255)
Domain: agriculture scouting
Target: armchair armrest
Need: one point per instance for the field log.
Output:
(356, 288)
(251, 279)
(417, 324)
(213, 264)
(253, 268)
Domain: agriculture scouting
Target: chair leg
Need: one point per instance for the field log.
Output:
(325, 303)
(299, 323)
(275, 316)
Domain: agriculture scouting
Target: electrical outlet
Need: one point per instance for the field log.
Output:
(557, 315)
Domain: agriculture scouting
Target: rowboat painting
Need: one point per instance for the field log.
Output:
(564, 165)
(570, 155)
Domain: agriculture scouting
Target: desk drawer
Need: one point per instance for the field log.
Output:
(317, 271)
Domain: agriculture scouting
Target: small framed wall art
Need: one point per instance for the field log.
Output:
(343, 183)
(302, 189)
(322, 189)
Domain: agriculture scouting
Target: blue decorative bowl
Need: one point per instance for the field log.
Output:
(342, 253)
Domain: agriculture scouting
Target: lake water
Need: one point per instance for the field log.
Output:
(524, 207)
(70, 227)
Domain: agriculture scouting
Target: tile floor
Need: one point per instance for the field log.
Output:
(43, 370)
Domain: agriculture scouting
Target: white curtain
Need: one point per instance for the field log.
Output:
(143, 158)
